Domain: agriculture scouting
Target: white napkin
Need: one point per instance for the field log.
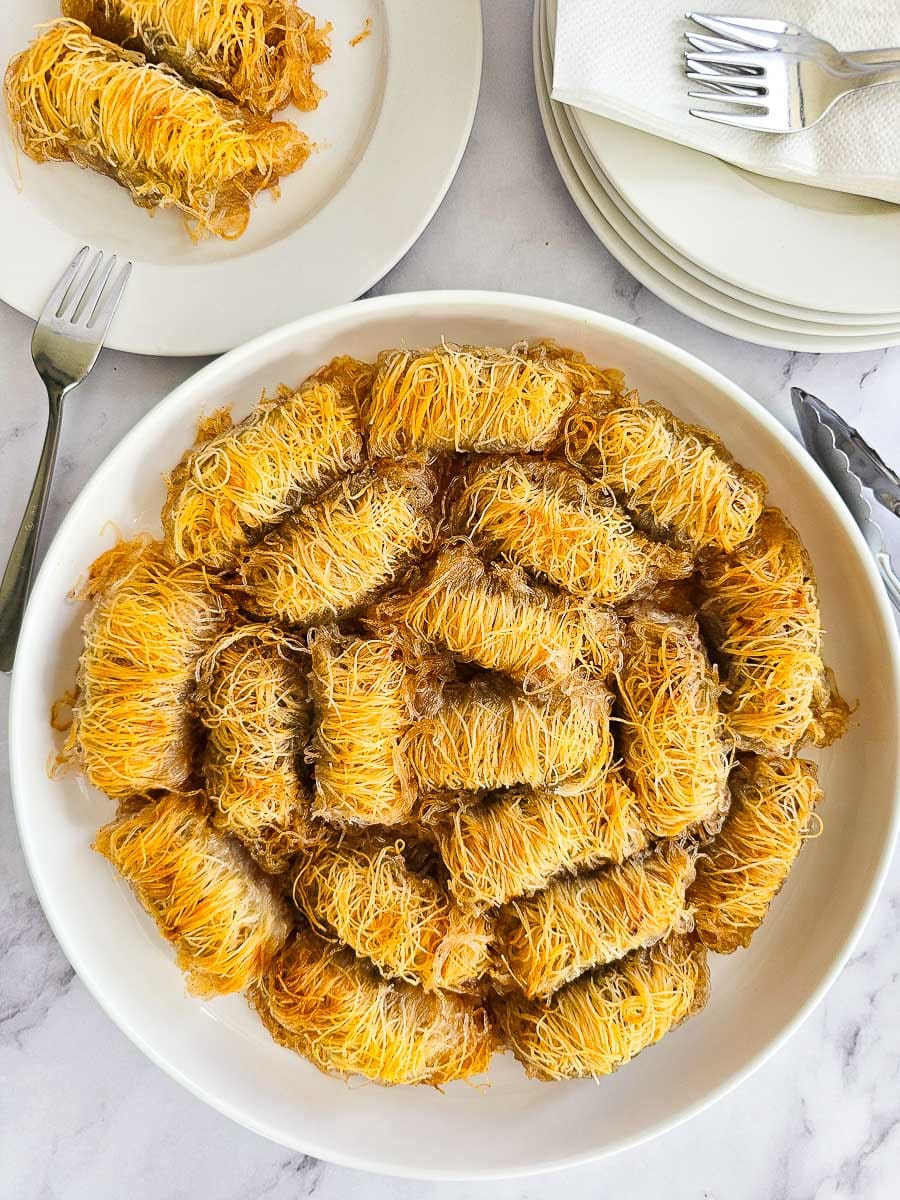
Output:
(623, 60)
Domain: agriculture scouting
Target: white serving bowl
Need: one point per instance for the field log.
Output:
(219, 1050)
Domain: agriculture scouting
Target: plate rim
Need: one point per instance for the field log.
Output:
(468, 303)
(732, 276)
(26, 283)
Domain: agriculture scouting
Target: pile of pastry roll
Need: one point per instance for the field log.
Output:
(456, 710)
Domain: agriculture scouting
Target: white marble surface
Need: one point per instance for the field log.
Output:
(84, 1116)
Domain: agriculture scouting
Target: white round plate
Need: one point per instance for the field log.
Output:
(798, 245)
(513, 1126)
(655, 270)
(390, 136)
(598, 131)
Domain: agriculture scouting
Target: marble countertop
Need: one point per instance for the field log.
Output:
(84, 1116)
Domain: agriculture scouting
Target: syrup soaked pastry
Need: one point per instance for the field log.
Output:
(241, 481)
(738, 876)
(260, 53)
(675, 479)
(760, 610)
(600, 1022)
(320, 1000)
(673, 749)
(133, 727)
(224, 918)
(73, 97)
(252, 702)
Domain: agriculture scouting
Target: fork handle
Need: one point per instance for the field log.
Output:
(874, 57)
(874, 77)
(17, 576)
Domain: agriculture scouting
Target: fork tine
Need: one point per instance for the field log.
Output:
(108, 301)
(741, 120)
(712, 45)
(94, 290)
(740, 85)
(752, 32)
(726, 72)
(56, 297)
(746, 101)
(80, 285)
(723, 91)
(752, 59)
(756, 24)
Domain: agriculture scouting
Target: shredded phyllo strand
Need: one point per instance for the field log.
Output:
(547, 518)
(486, 736)
(363, 33)
(760, 611)
(596, 1024)
(252, 702)
(465, 398)
(674, 753)
(772, 813)
(675, 480)
(133, 726)
(223, 918)
(365, 697)
(77, 98)
(338, 552)
(514, 844)
(493, 616)
(364, 894)
(232, 488)
(260, 53)
(321, 1001)
(547, 941)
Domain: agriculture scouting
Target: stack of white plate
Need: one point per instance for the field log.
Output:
(779, 264)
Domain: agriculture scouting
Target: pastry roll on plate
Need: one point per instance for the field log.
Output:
(453, 398)
(252, 702)
(514, 843)
(336, 553)
(74, 97)
(550, 939)
(546, 517)
(596, 1024)
(493, 616)
(676, 480)
(740, 873)
(486, 735)
(224, 918)
(134, 727)
(326, 1004)
(238, 483)
(673, 748)
(364, 892)
(760, 611)
(260, 53)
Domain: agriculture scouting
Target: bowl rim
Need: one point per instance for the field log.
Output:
(467, 303)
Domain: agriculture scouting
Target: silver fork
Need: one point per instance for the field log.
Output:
(66, 341)
(790, 83)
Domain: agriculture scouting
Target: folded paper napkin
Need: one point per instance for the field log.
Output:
(624, 61)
